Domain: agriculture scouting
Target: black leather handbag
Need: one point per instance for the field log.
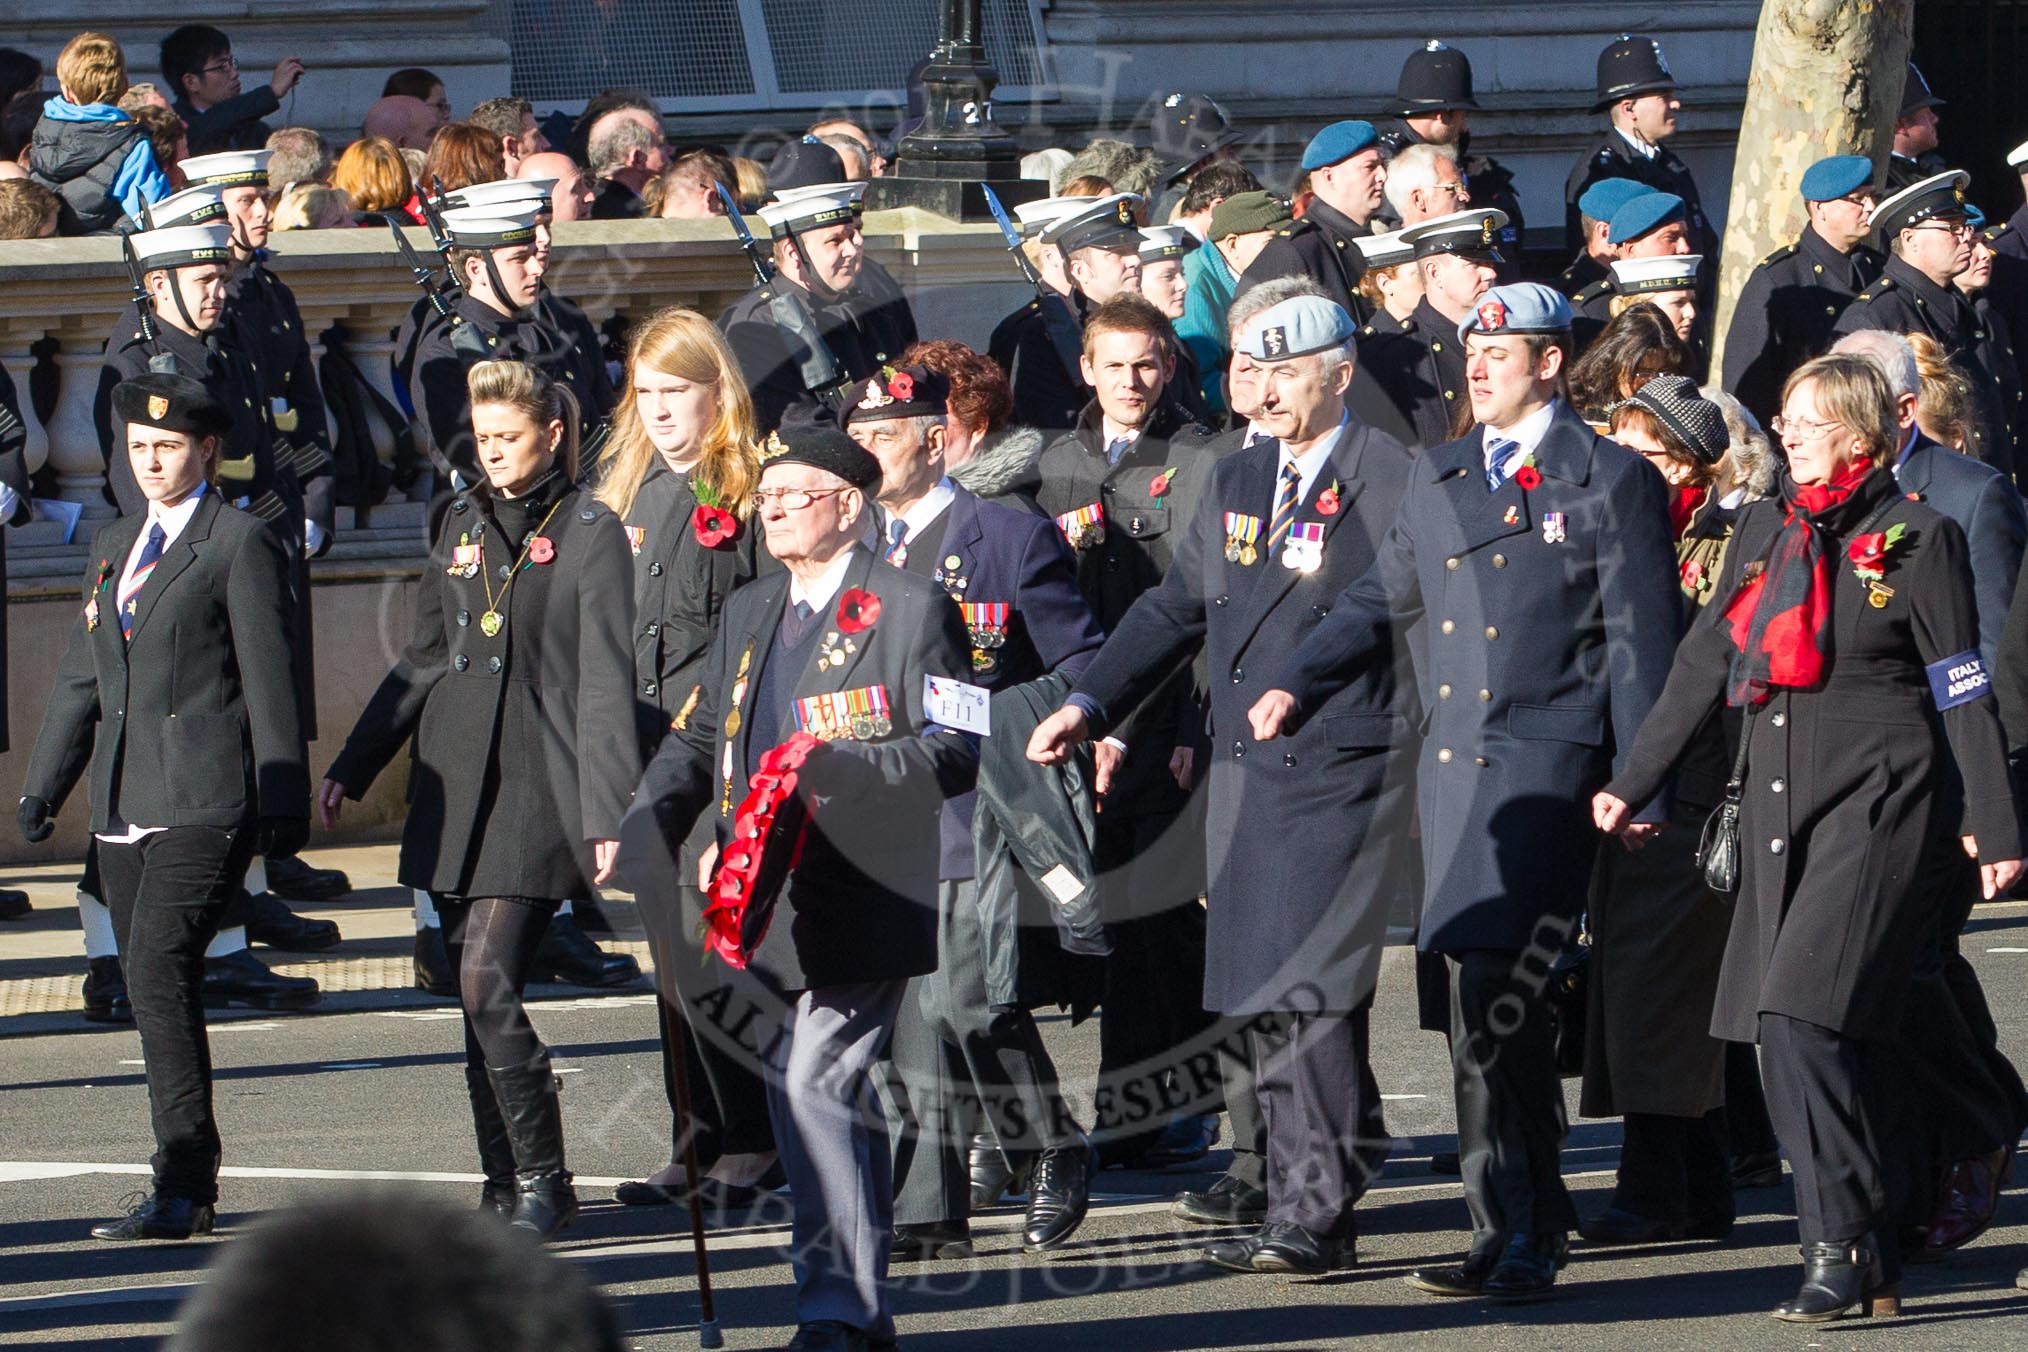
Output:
(1718, 844)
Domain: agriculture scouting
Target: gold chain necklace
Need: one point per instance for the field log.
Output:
(491, 623)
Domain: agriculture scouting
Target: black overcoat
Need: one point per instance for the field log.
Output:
(866, 328)
(1420, 364)
(1851, 807)
(1543, 621)
(1305, 835)
(525, 744)
(860, 903)
(1322, 246)
(193, 721)
(1133, 550)
(1785, 315)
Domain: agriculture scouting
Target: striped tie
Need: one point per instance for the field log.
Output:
(130, 595)
(1285, 507)
(897, 547)
(1496, 463)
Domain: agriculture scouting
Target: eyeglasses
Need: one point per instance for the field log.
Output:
(1802, 428)
(791, 499)
(1963, 229)
(1447, 187)
(225, 66)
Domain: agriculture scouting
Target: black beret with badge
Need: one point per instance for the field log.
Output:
(171, 402)
(898, 392)
(822, 446)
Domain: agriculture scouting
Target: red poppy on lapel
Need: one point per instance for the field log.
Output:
(713, 526)
(1327, 501)
(857, 611)
(1529, 477)
(541, 549)
(1159, 485)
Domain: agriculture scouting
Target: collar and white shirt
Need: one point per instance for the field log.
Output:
(173, 521)
(1311, 462)
(1521, 439)
(824, 587)
(1119, 441)
(1647, 150)
(920, 515)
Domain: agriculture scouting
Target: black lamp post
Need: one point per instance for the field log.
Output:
(958, 145)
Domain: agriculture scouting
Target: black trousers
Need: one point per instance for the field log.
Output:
(1511, 1120)
(1823, 1092)
(956, 1066)
(1319, 1104)
(728, 1099)
(167, 893)
(1676, 1169)
(1748, 1132)
(1242, 1105)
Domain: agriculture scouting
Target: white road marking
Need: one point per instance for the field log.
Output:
(1403, 1098)
(138, 1062)
(2007, 950)
(234, 1026)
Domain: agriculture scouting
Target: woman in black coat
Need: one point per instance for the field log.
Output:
(1846, 635)
(678, 471)
(178, 688)
(518, 693)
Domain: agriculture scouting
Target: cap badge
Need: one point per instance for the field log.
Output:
(158, 405)
(1492, 317)
(1124, 210)
(773, 446)
(1274, 341)
(875, 396)
(1434, 46)
(1486, 230)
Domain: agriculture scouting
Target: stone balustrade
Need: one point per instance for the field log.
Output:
(71, 293)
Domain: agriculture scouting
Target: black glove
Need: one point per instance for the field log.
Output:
(34, 817)
(281, 837)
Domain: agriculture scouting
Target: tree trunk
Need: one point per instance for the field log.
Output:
(1827, 77)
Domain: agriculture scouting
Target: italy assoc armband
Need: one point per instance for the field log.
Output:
(1959, 679)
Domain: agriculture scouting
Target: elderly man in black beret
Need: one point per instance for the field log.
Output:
(872, 660)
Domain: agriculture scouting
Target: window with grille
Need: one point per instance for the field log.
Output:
(711, 55)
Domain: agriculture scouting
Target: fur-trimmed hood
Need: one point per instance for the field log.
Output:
(1005, 462)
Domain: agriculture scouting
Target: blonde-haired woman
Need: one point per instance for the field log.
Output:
(679, 470)
(517, 692)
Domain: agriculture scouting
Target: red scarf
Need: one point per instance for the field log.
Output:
(1779, 615)
(1683, 505)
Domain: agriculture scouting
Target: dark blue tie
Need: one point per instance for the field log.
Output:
(1496, 469)
(130, 595)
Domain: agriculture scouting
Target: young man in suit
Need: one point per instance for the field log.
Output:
(837, 630)
(1306, 860)
(178, 690)
(1536, 558)
(1012, 576)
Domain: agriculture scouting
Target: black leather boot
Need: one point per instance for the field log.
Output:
(240, 979)
(1840, 1280)
(433, 974)
(159, 1217)
(533, 1111)
(496, 1151)
(273, 924)
(297, 880)
(993, 1176)
(14, 903)
(568, 955)
(105, 992)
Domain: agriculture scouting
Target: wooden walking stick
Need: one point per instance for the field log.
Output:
(707, 1320)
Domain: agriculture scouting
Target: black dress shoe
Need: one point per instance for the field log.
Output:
(1229, 1201)
(159, 1217)
(239, 979)
(433, 972)
(993, 1178)
(1757, 1171)
(1463, 1279)
(13, 904)
(1282, 1247)
(634, 1193)
(1445, 1162)
(499, 1198)
(1617, 1226)
(1527, 1270)
(1183, 1140)
(275, 925)
(1839, 1280)
(939, 1239)
(717, 1195)
(296, 880)
(105, 992)
(567, 955)
(1059, 1198)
